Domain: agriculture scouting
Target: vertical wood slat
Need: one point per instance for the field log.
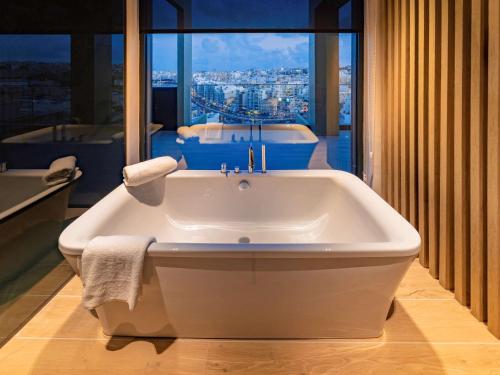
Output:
(478, 158)
(422, 137)
(412, 114)
(433, 134)
(493, 168)
(380, 89)
(397, 107)
(446, 254)
(390, 102)
(461, 150)
(403, 114)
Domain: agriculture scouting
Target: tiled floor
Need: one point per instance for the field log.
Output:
(429, 333)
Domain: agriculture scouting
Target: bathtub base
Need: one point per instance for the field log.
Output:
(260, 298)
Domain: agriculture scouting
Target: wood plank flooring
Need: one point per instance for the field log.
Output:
(429, 333)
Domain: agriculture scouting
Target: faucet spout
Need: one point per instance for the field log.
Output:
(251, 160)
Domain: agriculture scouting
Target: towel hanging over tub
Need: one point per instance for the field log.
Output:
(112, 269)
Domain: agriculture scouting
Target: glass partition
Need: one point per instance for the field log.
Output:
(62, 94)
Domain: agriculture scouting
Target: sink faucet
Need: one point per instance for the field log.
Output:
(251, 160)
(3, 166)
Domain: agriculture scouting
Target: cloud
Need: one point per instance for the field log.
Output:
(242, 51)
(247, 51)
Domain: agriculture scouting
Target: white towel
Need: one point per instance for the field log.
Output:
(112, 269)
(141, 173)
(60, 170)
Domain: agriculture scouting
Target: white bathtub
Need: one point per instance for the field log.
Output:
(324, 258)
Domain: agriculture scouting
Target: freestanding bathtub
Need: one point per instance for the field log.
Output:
(288, 254)
(206, 146)
(31, 218)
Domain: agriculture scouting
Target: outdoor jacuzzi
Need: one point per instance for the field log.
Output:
(207, 146)
(288, 254)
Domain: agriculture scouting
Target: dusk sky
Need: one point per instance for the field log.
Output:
(47, 48)
(225, 52)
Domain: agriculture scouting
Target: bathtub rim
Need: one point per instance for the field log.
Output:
(35, 199)
(407, 244)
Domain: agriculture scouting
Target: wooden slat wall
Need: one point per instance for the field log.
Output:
(446, 255)
(396, 156)
(493, 172)
(462, 150)
(389, 149)
(478, 158)
(423, 123)
(403, 102)
(433, 134)
(412, 113)
(441, 168)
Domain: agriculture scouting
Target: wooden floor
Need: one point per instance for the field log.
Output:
(429, 333)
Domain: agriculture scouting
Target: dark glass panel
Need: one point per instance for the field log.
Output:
(61, 16)
(62, 93)
(252, 15)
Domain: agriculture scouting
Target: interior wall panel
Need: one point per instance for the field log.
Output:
(446, 124)
(478, 157)
(423, 123)
(389, 140)
(442, 140)
(433, 133)
(462, 150)
(413, 114)
(404, 106)
(493, 170)
(396, 157)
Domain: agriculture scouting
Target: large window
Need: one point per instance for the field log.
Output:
(246, 84)
(225, 75)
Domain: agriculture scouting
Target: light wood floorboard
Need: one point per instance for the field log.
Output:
(429, 333)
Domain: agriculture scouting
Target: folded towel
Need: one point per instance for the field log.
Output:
(112, 269)
(140, 173)
(186, 132)
(60, 170)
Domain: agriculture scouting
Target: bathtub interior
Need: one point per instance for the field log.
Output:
(214, 209)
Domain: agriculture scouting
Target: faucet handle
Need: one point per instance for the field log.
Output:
(223, 168)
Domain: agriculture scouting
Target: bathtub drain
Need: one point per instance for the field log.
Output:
(244, 240)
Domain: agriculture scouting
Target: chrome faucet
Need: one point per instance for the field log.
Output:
(223, 169)
(251, 160)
